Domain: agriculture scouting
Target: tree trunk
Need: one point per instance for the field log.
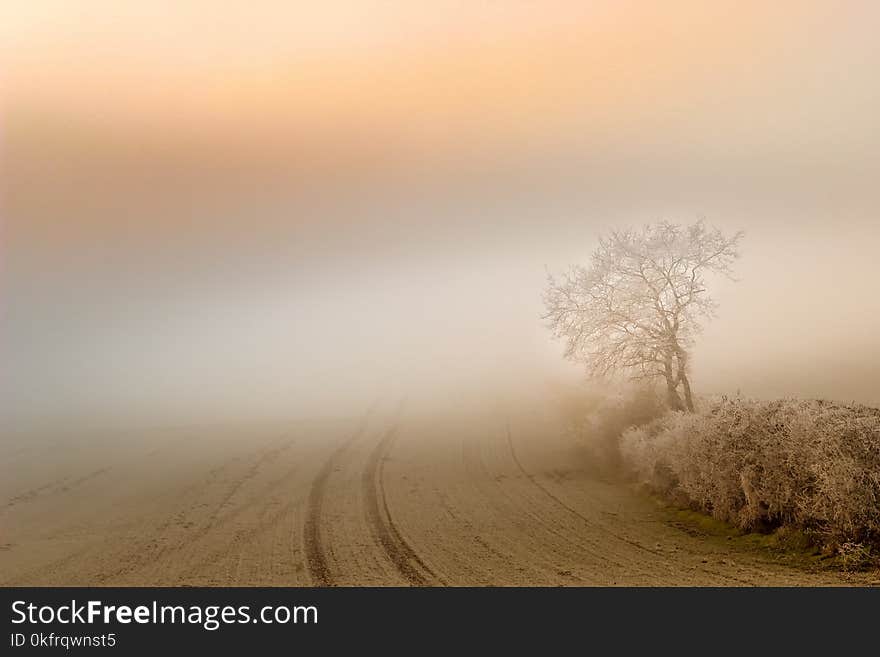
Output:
(672, 398)
(688, 397)
(681, 358)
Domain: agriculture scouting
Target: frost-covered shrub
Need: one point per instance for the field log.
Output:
(614, 415)
(814, 465)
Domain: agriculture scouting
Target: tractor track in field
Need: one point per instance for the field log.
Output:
(399, 551)
(313, 540)
(555, 498)
(592, 525)
(496, 497)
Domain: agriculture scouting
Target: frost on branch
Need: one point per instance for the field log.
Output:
(637, 307)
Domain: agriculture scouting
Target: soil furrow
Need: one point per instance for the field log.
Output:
(315, 551)
(401, 554)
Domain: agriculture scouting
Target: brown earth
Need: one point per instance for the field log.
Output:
(388, 499)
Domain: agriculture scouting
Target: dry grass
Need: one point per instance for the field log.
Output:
(802, 464)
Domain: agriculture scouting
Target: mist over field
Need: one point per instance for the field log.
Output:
(299, 209)
(192, 261)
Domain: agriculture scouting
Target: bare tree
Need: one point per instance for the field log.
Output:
(637, 308)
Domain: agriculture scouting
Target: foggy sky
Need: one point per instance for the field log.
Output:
(272, 208)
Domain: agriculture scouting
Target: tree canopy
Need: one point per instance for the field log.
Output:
(638, 306)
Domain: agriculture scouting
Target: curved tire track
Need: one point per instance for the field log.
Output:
(461, 504)
(402, 555)
(534, 480)
(316, 559)
(563, 504)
